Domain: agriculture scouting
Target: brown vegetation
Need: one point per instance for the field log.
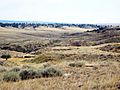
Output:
(111, 48)
(86, 61)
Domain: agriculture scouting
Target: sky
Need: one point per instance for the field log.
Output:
(68, 11)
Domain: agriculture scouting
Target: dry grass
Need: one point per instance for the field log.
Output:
(85, 78)
(111, 48)
(94, 75)
(101, 69)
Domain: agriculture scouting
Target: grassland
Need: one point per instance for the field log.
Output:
(82, 57)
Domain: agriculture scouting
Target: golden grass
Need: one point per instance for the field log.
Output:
(84, 78)
(94, 75)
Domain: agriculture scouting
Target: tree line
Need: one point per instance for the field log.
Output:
(52, 25)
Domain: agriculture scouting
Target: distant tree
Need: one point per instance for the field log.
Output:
(6, 56)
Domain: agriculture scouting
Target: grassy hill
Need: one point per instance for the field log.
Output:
(58, 59)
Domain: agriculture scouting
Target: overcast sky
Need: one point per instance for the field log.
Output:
(71, 11)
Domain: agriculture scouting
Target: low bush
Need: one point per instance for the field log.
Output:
(16, 74)
(27, 74)
(46, 72)
(51, 72)
(11, 76)
(6, 56)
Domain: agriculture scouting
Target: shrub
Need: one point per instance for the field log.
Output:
(11, 76)
(6, 56)
(46, 72)
(27, 74)
(50, 72)
(39, 74)
(76, 64)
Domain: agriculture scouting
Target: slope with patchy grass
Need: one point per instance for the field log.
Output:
(83, 63)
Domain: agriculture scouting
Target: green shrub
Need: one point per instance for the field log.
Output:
(46, 72)
(50, 72)
(6, 56)
(76, 64)
(27, 74)
(11, 77)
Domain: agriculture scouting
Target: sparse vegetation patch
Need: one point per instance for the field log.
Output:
(11, 76)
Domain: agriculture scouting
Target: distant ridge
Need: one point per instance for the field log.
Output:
(108, 24)
(42, 22)
(14, 21)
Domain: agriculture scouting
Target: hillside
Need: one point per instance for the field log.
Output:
(29, 40)
(69, 58)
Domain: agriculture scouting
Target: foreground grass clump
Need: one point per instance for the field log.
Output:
(11, 76)
(76, 64)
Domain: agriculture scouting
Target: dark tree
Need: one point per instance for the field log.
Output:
(6, 56)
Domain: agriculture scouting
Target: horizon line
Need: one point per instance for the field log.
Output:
(49, 22)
